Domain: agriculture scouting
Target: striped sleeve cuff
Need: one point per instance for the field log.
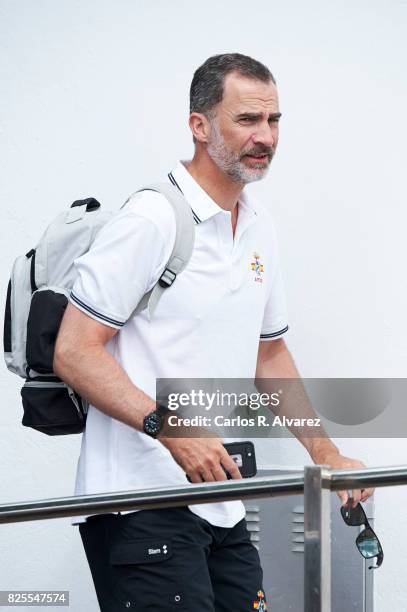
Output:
(274, 335)
(95, 314)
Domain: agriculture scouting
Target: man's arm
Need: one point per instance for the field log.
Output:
(82, 361)
(275, 361)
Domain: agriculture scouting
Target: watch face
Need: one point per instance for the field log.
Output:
(152, 424)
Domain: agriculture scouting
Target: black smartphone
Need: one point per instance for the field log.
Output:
(244, 456)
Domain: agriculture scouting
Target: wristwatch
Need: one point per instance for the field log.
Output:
(154, 421)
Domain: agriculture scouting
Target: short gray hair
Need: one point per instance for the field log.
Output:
(207, 84)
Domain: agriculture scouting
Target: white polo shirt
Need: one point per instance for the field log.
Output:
(207, 324)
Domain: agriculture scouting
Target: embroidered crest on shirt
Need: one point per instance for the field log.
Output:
(257, 268)
(260, 603)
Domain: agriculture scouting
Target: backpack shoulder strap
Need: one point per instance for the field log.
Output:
(183, 246)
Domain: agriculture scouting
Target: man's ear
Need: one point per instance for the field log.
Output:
(200, 127)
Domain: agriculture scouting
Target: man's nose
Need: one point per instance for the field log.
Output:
(266, 134)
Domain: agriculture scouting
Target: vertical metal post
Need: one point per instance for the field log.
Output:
(317, 539)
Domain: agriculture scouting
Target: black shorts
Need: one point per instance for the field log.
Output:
(172, 560)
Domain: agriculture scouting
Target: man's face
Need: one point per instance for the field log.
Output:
(244, 130)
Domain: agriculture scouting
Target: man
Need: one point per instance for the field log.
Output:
(214, 322)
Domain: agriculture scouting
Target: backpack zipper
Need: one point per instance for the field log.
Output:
(42, 384)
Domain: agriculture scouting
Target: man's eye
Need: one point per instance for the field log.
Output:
(246, 119)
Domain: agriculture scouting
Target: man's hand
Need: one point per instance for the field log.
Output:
(201, 458)
(336, 461)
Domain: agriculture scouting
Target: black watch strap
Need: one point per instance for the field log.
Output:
(162, 410)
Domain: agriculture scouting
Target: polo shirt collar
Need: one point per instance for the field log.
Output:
(203, 206)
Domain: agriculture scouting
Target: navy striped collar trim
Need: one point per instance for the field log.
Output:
(174, 182)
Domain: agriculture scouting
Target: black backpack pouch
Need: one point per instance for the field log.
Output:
(46, 311)
(53, 408)
(49, 404)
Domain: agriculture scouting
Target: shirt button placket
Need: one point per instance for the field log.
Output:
(226, 242)
(234, 268)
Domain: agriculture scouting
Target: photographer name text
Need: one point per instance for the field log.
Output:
(238, 421)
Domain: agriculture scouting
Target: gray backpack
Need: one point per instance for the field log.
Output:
(37, 296)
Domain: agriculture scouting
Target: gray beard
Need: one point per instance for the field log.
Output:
(229, 162)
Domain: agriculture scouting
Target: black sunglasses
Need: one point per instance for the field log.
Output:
(367, 541)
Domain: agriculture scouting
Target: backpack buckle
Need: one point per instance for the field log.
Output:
(167, 278)
(90, 203)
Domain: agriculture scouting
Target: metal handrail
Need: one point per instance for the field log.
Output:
(316, 482)
(197, 494)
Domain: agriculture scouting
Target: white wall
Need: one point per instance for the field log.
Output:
(94, 101)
